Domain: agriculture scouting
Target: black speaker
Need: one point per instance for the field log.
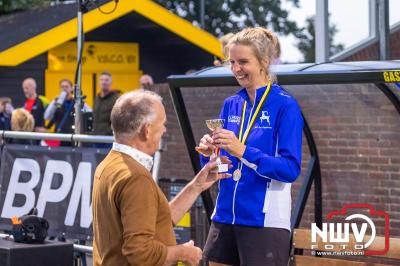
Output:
(50, 253)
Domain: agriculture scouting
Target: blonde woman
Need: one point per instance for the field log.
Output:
(262, 136)
(22, 120)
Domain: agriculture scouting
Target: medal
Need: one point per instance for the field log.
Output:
(237, 174)
(243, 134)
(243, 138)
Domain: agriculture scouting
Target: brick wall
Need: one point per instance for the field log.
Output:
(357, 134)
(372, 51)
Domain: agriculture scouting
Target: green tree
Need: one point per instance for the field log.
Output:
(306, 42)
(11, 6)
(224, 16)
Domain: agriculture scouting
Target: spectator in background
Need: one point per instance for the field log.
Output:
(146, 81)
(22, 120)
(5, 113)
(224, 41)
(35, 104)
(103, 104)
(61, 110)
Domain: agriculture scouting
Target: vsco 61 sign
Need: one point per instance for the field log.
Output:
(58, 182)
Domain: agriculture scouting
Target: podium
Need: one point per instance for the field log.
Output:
(50, 253)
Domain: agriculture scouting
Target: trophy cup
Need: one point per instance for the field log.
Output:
(213, 124)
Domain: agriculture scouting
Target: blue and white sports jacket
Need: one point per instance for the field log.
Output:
(271, 161)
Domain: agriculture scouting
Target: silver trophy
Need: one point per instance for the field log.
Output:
(213, 124)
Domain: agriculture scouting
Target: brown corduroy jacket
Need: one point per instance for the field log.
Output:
(132, 222)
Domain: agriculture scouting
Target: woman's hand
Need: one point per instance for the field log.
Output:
(227, 140)
(206, 146)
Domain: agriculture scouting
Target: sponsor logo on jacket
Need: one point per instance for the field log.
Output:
(265, 121)
(234, 119)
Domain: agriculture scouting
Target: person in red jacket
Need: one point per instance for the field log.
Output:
(34, 103)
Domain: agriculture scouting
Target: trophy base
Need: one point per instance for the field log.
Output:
(222, 168)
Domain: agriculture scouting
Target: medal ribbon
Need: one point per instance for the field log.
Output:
(258, 108)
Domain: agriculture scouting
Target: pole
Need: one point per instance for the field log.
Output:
(202, 14)
(384, 30)
(373, 18)
(78, 85)
(157, 162)
(78, 75)
(321, 32)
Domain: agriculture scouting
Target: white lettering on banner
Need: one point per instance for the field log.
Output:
(47, 194)
(22, 188)
(81, 190)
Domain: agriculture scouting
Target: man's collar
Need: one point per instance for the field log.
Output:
(139, 156)
(32, 99)
(109, 93)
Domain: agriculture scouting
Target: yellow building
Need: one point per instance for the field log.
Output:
(138, 37)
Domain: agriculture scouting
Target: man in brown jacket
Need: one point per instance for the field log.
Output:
(132, 219)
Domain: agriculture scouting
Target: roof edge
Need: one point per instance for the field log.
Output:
(67, 31)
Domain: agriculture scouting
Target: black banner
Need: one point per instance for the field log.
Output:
(57, 181)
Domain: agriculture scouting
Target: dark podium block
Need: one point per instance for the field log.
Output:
(51, 253)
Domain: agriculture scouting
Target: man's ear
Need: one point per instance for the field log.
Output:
(144, 132)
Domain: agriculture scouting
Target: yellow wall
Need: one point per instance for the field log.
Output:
(120, 59)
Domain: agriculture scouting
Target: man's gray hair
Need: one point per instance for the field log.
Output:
(131, 111)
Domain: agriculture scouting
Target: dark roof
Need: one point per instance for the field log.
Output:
(21, 26)
(28, 34)
(311, 73)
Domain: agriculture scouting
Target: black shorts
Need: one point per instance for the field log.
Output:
(247, 246)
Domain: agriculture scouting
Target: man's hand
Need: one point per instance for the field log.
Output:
(186, 253)
(227, 140)
(192, 255)
(202, 181)
(207, 177)
(206, 146)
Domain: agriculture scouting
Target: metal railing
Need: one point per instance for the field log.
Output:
(56, 136)
(79, 248)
